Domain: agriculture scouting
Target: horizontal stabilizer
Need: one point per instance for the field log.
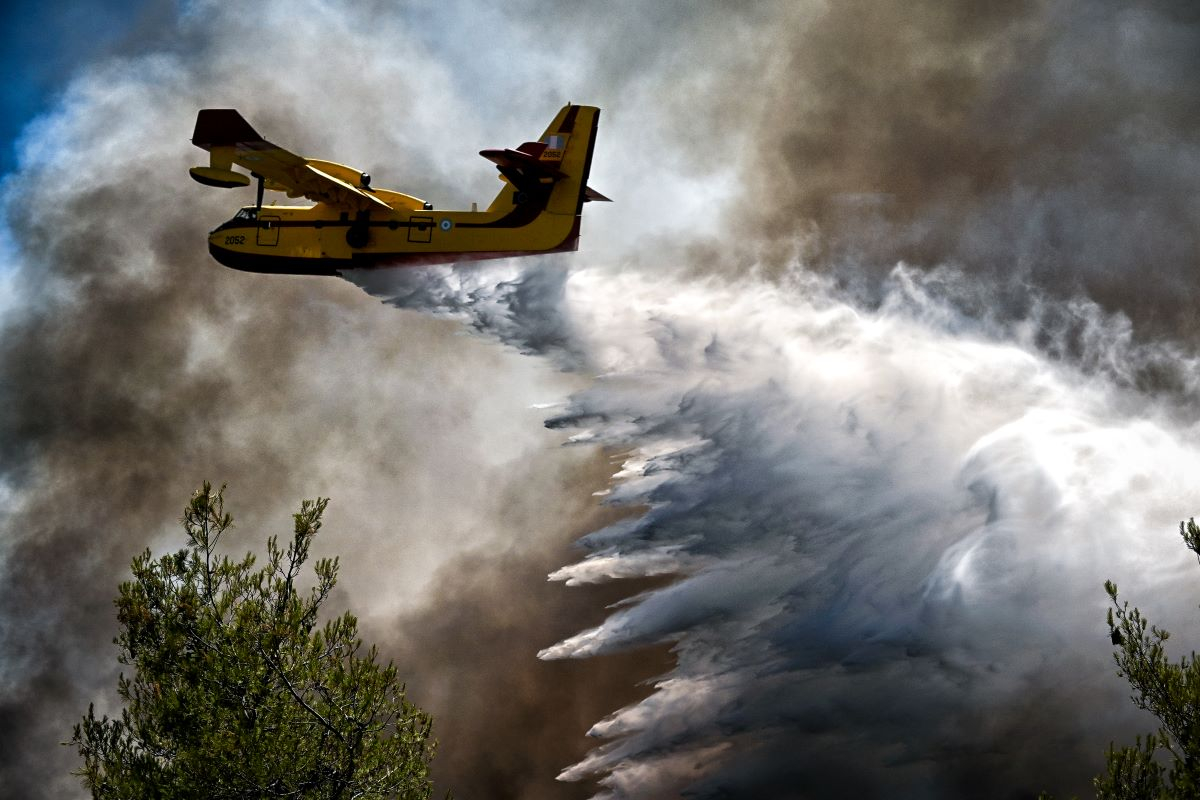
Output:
(590, 194)
(521, 160)
(534, 149)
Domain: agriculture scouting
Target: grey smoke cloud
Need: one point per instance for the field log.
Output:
(134, 367)
(1051, 143)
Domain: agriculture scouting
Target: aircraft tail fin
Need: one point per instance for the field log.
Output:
(553, 171)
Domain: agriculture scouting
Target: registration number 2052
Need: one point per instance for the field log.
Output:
(235, 240)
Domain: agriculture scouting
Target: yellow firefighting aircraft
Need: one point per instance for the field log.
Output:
(354, 225)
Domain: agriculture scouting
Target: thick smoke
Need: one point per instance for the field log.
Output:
(1050, 142)
(134, 367)
(869, 512)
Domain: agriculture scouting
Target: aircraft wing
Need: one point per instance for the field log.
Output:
(226, 135)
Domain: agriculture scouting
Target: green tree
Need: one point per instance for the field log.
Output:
(1166, 764)
(238, 693)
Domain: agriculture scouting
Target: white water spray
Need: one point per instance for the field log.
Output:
(885, 524)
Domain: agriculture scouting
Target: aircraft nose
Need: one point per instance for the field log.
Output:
(220, 254)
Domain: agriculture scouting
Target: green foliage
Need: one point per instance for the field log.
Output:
(236, 691)
(1170, 690)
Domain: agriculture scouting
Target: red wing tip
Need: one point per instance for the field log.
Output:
(217, 127)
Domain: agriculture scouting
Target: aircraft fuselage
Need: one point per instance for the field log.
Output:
(313, 240)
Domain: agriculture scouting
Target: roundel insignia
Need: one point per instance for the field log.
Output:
(446, 224)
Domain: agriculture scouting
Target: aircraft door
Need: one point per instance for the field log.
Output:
(420, 229)
(268, 231)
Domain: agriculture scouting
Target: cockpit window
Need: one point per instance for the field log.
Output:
(247, 213)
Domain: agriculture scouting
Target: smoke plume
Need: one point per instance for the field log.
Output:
(134, 367)
(1049, 142)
